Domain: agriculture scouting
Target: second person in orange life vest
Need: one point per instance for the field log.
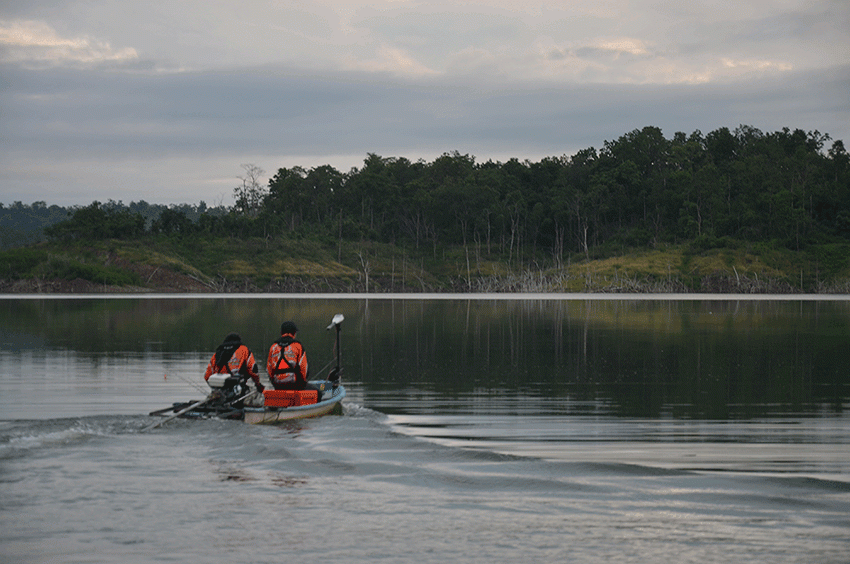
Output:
(234, 358)
(287, 363)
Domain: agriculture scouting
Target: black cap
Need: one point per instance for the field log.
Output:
(232, 337)
(288, 328)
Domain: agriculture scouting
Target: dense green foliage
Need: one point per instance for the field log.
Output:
(22, 224)
(96, 222)
(780, 190)
(22, 263)
(639, 190)
(38, 263)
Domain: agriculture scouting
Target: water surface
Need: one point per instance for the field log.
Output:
(476, 429)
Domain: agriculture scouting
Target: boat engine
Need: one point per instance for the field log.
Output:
(230, 387)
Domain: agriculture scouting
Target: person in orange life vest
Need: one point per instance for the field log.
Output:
(232, 357)
(287, 363)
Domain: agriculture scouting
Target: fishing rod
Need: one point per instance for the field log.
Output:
(337, 320)
(192, 383)
(325, 367)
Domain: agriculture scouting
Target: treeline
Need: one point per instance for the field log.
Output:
(117, 221)
(790, 188)
(22, 224)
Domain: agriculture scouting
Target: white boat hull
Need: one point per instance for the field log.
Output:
(272, 415)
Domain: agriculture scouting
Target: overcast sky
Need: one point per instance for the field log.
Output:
(164, 101)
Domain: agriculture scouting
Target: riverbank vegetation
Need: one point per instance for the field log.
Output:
(730, 211)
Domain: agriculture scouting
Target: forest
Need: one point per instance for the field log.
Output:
(788, 189)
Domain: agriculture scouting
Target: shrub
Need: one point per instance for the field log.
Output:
(71, 269)
(21, 263)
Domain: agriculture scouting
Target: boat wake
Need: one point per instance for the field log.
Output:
(31, 435)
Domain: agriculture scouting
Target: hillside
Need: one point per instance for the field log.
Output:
(727, 211)
(255, 265)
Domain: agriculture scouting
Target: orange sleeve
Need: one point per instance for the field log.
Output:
(274, 357)
(252, 367)
(302, 364)
(210, 369)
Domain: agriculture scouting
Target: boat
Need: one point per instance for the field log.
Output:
(331, 398)
(231, 398)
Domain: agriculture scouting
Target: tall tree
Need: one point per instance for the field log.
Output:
(251, 191)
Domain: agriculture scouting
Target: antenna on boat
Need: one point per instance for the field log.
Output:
(336, 372)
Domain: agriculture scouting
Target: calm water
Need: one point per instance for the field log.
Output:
(475, 430)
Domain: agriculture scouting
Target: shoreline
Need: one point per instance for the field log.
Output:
(473, 296)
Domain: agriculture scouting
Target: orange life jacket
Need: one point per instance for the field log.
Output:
(287, 363)
(236, 360)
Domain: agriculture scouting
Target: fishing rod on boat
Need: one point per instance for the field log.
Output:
(192, 383)
(322, 370)
(338, 318)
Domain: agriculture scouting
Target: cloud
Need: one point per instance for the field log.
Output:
(34, 43)
(624, 46)
(756, 64)
(167, 99)
(276, 110)
(612, 41)
(391, 60)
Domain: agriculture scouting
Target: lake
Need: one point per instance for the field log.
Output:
(479, 428)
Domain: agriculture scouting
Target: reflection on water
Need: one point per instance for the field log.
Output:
(696, 358)
(629, 357)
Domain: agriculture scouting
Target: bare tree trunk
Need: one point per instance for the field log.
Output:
(364, 263)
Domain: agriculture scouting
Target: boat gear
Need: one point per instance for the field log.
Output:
(289, 398)
(333, 375)
(233, 388)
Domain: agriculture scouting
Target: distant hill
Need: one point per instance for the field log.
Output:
(740, 210)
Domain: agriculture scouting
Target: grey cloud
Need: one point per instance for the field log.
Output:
(608, 55)
(65, 117)
(145, 125)
(221, 111)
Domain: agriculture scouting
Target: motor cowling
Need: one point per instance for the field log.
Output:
(235, 388)
(230, 387)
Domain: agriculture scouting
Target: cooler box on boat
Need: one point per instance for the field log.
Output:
(289, 398)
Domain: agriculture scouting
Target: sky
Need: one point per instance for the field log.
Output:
(165, 101)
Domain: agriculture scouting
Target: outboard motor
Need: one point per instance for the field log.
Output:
(230, 387)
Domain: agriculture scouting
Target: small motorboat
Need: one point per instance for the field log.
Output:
(301, 404)
(231, 398)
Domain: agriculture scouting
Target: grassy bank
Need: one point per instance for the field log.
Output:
(255, 265)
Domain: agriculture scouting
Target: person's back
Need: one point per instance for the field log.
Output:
(287, 362)
(234, 358)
